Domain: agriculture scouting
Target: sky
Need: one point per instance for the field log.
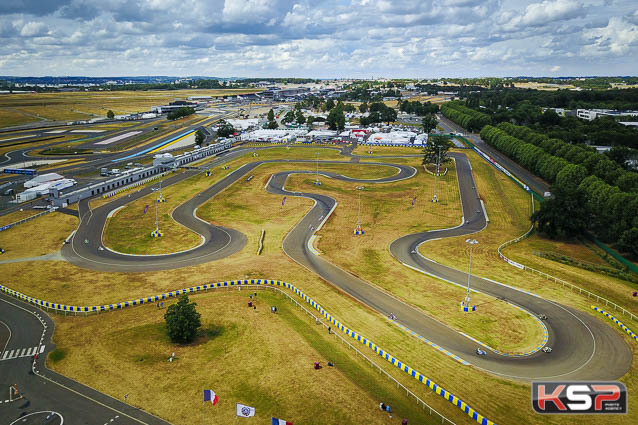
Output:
(320, 38)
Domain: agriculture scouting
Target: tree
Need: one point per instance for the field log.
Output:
(272, 125)
(389, 114)
(200, 137)
(336, 119)
(300, 118)
(363, 108)
(110, 115)
(436, 145)
(330, 104)
(289, 117)
(182, 321)
(564, 215)
(271, 115)
(225, 129)
(429, 123)
(629, 241)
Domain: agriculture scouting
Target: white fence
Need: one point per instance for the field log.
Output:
(572, 287)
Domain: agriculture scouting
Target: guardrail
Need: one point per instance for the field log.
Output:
(564, 283)
(24, 220)
(477, 417)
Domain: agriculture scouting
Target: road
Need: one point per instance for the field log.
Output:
(583, 347)
(529, 178)
(45, 390)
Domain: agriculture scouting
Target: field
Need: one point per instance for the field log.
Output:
(16, 109)
(229, 356)
(506, 401)
(52, 229)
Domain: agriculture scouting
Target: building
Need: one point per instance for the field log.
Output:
(592, 114)
(42, 179)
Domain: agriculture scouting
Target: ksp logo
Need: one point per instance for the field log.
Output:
(579, 397)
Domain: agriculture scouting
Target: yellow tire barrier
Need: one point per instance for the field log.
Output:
(265, 282)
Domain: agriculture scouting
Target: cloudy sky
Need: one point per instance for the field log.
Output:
(320, 38)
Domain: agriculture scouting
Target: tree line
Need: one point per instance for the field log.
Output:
(581, 199)
(179, 113)
(465, 117)
(596, 163)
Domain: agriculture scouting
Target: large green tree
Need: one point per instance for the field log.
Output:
(225, 129)
(434, 146)
(182, 321)
(200, 137)
(336, 119)
(429, 123)
(110, 115)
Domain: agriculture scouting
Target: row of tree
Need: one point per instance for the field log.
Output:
(379, 112)
(179, 113)
(596, 163)
(465, 117)
(418, 108)
(580, 200)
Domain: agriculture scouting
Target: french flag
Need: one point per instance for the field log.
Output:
(209, 395)
(276, 421)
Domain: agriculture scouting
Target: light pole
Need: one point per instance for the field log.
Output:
(317, 182)
(466, 302)
(436, 173)
(358, 230)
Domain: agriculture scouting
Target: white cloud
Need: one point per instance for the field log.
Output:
(34, 29)
(328, 38)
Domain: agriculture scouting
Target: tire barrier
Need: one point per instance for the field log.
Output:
(358, 231)
(616, 321)
(477, 417)
(160, 200)
(24, 220)
(157, 234)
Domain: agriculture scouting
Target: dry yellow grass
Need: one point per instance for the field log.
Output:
(506, 401)
(386, 214)
(47, 232)
(18, 109)
(254, 357)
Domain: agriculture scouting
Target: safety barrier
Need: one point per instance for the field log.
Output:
(616, 321)
(265, 282)
(261, 242)
(136, 184)
(564, 283)
(24, 220)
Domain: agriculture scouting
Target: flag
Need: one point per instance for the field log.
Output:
(283, 201)
(209, 395)
(244, 411)
(276, 421)
(413, 201)
(145, 209)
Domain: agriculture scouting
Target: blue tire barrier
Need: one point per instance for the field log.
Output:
(160, 200)
(477, 417)
(358, 231)
(616, 321)
(157, 234)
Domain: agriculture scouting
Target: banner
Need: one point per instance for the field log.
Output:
(244, 411)
(209, 395)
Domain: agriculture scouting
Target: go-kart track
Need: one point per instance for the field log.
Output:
(583, 347)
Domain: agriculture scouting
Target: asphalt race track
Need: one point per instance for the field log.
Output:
(583, 347)
(44, 390)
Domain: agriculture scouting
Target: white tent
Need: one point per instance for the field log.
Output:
(44, 178)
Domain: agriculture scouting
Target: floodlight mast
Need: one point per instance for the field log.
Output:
(471, 242)
(436, 173)
(317, 175)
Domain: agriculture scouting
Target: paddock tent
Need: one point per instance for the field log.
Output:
(42, 179)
